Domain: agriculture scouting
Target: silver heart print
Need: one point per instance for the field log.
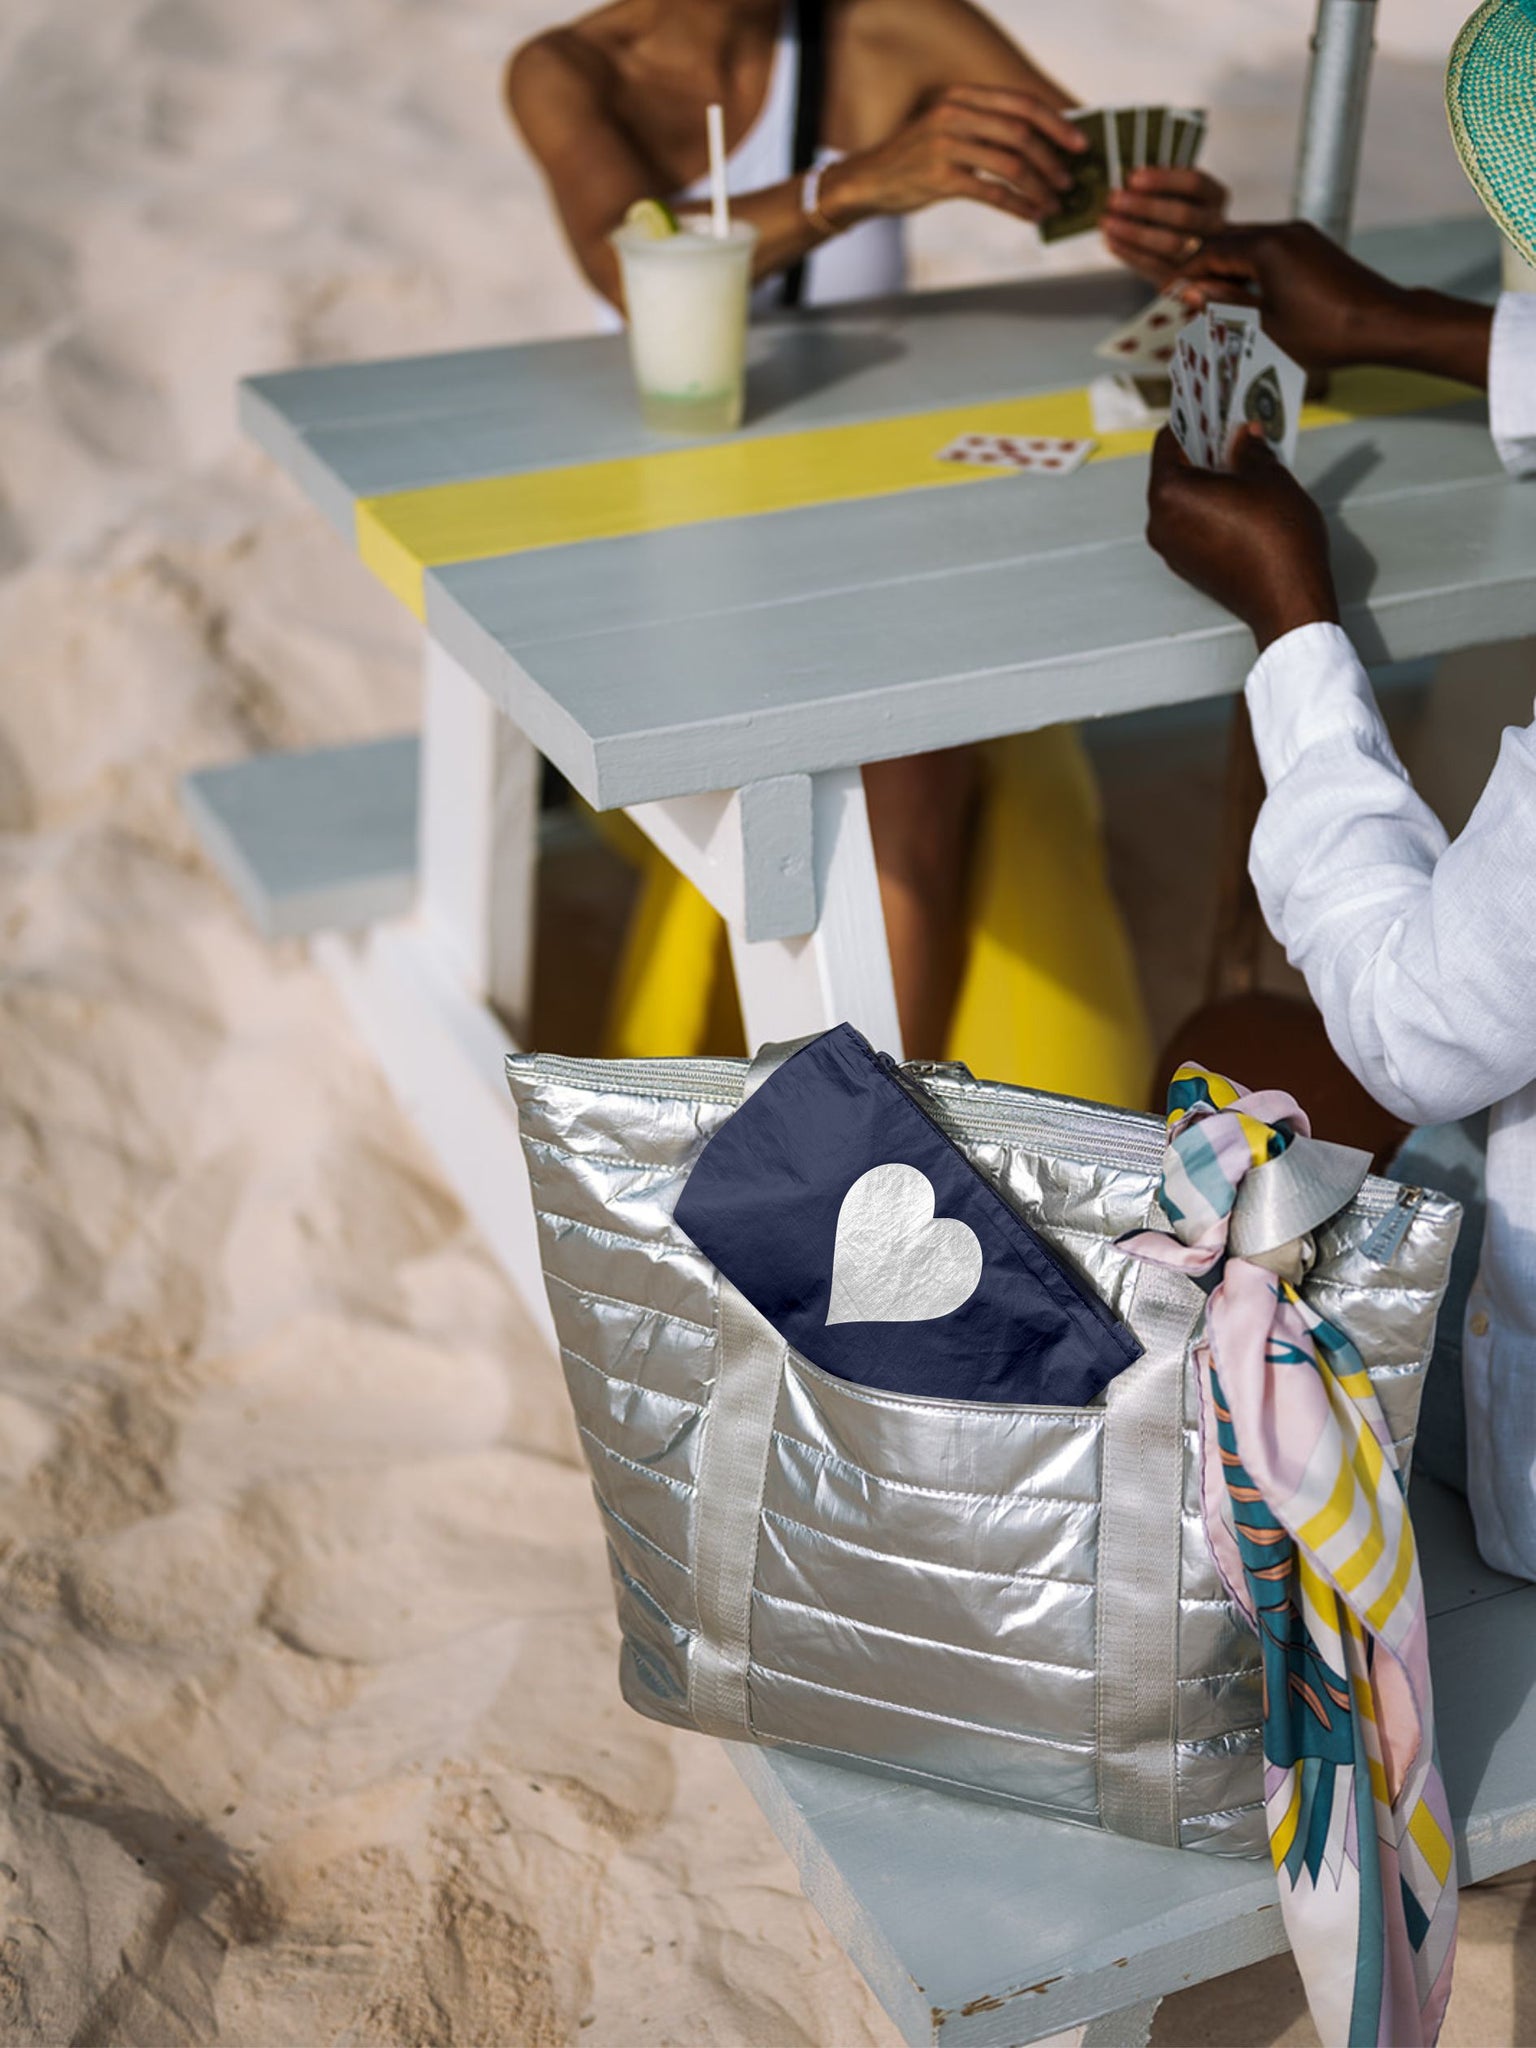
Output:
(894, 1261)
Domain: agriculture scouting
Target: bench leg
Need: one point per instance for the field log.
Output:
(479, 825)
(434, 995)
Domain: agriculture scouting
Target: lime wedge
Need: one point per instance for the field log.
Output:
(651, 218)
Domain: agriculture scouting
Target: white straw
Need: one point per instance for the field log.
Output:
(719, 204)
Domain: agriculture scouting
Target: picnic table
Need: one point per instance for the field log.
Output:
(716, 637)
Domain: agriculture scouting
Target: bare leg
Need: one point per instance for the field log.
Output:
(922, 818)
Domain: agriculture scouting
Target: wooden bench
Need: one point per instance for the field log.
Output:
(980, 1927)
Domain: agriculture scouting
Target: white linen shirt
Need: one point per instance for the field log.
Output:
(1421, 956)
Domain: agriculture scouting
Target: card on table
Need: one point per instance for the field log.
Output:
(1039, 454)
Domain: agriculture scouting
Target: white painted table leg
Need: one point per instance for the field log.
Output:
(842, 970)
(479, 838)
(790, 866)
(429, 993)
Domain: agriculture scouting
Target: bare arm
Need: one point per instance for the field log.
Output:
(593, 170)
(997, 138)
(595, 173)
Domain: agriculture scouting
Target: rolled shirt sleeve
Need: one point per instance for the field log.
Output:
(1418, 952)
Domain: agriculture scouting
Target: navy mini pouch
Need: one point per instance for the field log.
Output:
(858, 1228)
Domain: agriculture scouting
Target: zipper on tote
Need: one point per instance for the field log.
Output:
(1385, 1241)
(703, 1079)
(1101, 1136)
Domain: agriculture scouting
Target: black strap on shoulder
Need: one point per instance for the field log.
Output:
(810, 94)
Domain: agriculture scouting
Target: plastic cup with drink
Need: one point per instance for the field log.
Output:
(686, 288)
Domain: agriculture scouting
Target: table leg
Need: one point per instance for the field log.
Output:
(842, 970)
(426, 991)
(790, 866)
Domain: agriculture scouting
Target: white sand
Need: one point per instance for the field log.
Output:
(308, 1674)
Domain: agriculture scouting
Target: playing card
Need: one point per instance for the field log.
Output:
(979, 451)
(1269, 390)
(1158, 127)
(1125, 140)
(1202, 391)
(1043, 454)
(1151, 338)
(1096, 173)
(1230, 327)
(1180, 412)
(1190, 136)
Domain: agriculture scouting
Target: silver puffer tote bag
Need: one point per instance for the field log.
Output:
(1013, 1602)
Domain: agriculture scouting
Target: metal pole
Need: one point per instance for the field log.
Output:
(1333, 114)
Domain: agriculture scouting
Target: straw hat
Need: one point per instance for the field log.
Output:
(1490, 93)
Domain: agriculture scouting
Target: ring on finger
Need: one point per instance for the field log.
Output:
(1192, 246)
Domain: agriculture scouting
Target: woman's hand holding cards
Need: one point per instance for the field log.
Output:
(1250, 536)
(1160, 218)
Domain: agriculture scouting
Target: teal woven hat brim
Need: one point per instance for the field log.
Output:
(1490, 94)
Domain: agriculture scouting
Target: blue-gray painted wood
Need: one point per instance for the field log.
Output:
(318, 841)
(393, 426)
(736, 652)
(778, 868)
(711, 698)
(414, 420)
(981, 1928)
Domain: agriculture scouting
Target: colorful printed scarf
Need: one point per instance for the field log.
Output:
(1306, 1517)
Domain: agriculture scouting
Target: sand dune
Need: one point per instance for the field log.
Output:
(311, 1726)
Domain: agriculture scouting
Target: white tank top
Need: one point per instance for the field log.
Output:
(868, 260)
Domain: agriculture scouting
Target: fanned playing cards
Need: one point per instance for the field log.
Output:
(1120, 140)
(1227, 374)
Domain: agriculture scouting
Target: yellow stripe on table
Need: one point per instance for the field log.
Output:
(401, 535)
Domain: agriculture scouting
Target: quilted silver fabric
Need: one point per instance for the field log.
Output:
(925, 1591)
